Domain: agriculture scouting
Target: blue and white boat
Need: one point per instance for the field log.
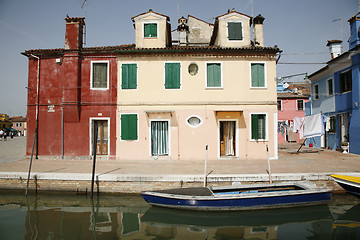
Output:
(240, 197)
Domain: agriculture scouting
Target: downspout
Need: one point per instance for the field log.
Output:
(37, 107)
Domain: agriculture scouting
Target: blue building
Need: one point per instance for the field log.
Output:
(335, 92)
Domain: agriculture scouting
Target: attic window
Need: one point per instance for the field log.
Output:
(193, 69)
(235, 31)
(150, 30)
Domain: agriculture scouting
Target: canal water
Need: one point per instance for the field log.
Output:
(69, 216)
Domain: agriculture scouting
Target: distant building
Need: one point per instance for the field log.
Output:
(4, 121)
(160, 98)
(19, 124)
(291, 103)
(336, 92)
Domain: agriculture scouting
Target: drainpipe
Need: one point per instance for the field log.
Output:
(37, 106)
(62, 132)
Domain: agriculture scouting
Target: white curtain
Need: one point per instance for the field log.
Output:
(229, 138)
(159, 138)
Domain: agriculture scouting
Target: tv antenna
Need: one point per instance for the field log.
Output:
(83, 6)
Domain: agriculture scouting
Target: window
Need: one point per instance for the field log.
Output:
(150, 30)
(332, 124)
(279, 105)
(129, 127)
(330, 87)
(194, 121)
(193, 69)
(213, 75)
(316, 91)
(300, 105)
(257, 75)
(99, 75)
(345, 82)
(172, 75)
(129, 76)
(258, 126)
(235, 31)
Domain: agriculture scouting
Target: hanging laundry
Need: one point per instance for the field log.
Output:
(314, 125)
(299, 126)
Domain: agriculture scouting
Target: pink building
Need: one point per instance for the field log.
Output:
(19, 124)
(290, 105)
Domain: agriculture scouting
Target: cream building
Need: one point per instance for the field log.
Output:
(173, 101)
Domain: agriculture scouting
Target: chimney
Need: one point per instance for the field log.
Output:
(183, 30)
(258, 30)
(334, 48)
(74, 32)
(354, 31)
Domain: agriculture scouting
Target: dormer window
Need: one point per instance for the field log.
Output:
(235, 31)
(150, 30)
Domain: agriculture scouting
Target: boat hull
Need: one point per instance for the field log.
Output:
(237, 201)
(349, 183)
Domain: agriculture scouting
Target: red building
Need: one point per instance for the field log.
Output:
(290, 105)
(69, 90)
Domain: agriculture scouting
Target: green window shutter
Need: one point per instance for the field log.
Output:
(129, 127)
(258, 124)
(235, 31)
(254, 126)
(150, 30)
(257, 75)
(128, 76)
(213, 75)
(172, 75)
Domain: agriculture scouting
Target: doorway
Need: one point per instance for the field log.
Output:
(227, 138)
(159, 131)
(102, 145)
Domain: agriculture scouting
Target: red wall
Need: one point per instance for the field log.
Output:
(67, 85)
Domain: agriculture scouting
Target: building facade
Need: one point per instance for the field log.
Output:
(290, 105)
(336, 90)
(19, 124)
(156, 100)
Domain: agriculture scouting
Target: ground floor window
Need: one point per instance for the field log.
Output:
(129, 127)
(159, 138)
(258, 126)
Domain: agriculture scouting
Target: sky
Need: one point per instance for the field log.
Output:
(300, 28)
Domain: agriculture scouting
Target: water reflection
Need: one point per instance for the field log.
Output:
(129, 217)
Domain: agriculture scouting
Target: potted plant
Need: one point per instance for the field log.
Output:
(345, 144)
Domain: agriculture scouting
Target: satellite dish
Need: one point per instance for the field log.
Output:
(286, 85)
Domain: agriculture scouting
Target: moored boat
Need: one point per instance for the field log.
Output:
(241, 197)
(350, 183)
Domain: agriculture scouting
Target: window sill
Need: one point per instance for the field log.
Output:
(214, 88)
(262, 88)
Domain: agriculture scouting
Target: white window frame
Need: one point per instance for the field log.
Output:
(327, 87)
(143, 29)
(137, 75)
(297, 109)
(91, 119)
(221, 76)
(266, 127)
(236, 137)
(169, 124)
(138, 131)
(265, 75)
(91, 75)
(242, 30)
(165, 76)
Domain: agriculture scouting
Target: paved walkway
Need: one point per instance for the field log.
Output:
(309, 161)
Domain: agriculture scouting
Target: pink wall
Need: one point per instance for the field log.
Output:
(288, 112)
